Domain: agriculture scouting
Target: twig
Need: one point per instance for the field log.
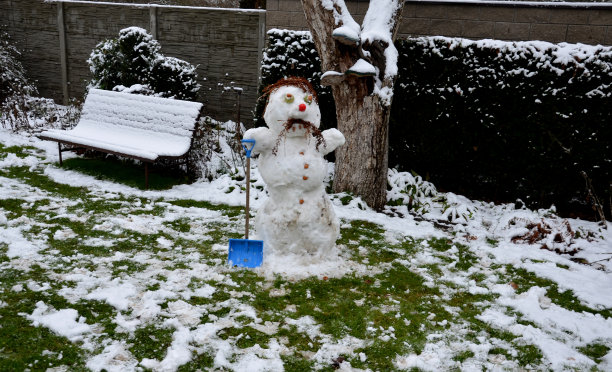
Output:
(605, 259)
(594, 200)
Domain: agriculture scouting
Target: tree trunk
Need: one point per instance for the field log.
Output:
(362, 163)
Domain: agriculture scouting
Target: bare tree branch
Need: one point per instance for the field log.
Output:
(597, 206)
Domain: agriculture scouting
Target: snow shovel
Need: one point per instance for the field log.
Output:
(245, 252)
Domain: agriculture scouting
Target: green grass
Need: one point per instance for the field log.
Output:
(403, 301)
(20, 151)
(126, 172)
(24, 346)
(230, 211)
(38, 180)
(595, 351)
(525, 279)
(151, 342)
(21, 343)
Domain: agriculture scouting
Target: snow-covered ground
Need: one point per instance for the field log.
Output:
(135, 280)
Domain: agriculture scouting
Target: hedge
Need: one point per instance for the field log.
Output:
(133, 63)
(492, 120)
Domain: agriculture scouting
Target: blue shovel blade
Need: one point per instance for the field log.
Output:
(245, 253)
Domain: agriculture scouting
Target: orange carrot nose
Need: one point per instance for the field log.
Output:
(302, 107)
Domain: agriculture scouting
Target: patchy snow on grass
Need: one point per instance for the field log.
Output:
(65, 322)
(482, 289)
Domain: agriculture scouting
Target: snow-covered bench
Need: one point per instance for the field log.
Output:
(130, 125)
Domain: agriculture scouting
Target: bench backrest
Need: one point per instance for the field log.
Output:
(160, 115)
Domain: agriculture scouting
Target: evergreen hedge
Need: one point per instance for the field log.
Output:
(492, 120)
(133, 63)
(502, 120)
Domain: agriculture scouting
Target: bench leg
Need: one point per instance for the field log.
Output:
(146, 176)
(59, 147)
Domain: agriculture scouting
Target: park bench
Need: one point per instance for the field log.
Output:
(130, 125)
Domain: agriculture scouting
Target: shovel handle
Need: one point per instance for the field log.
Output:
(248, 149)
(248, 189)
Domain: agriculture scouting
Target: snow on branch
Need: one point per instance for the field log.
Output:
(347, 31)
(376, 55)
(378, 26)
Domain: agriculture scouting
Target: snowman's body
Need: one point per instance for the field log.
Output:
(297, 217)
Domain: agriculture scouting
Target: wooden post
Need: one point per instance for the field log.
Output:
(261, 42)
(59, 147)
(248, 188)
(63, 52)
(153, 20)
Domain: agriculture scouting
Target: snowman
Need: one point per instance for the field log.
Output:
(297, 218)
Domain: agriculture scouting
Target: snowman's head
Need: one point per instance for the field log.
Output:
(292, 105)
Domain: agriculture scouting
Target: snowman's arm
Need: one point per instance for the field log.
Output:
(264, 140)
(333, 139)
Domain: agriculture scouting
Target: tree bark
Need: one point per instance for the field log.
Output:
(362, 163)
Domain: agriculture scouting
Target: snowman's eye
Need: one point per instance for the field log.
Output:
(289, 98)
(308, 99)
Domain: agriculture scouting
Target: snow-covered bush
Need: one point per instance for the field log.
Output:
(13, 80)
(213, 152)
(133, 63)
(15, 88)
(501, 120)
(456, 208)
(422, 198)
(174, 76)
(411, 190)
(489, 119)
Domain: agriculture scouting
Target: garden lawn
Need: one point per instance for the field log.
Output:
(98, 275)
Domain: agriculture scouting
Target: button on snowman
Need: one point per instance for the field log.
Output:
(297, 218)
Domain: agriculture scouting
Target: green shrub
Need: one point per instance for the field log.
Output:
(489, 119)
(13, 80)
(133, 63)
(500, 120)
(174, 77)
(15, 88)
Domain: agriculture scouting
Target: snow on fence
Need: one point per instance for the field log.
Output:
(57, 36)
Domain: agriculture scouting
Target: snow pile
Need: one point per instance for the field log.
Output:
(560, 352)
(65, 322)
